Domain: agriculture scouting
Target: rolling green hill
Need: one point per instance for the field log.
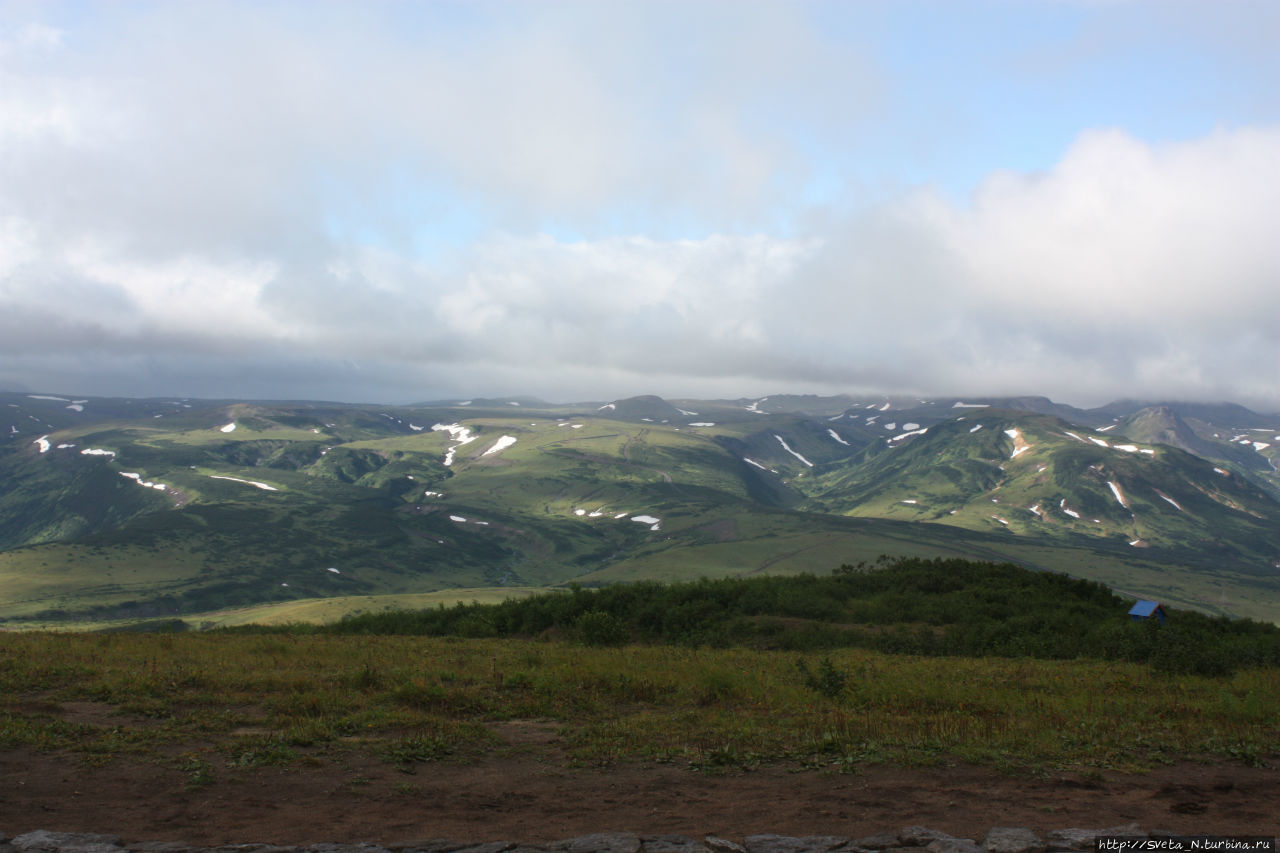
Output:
(150, 508)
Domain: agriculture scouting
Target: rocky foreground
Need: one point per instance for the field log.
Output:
(911, 839)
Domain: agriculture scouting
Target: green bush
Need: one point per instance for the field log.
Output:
(828, 681)
(596, 628)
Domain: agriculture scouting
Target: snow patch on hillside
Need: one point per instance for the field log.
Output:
(959, 405)
(1020, 444)
(231, 427)
(751, 461)
(975, 429)
(137, 478)
(1071, 512)
(1115, 490)
(500, 445)
(263, 486)
(43, 441)
(97, 451)
(1170, 500)
(460, 434)
(787, 448)
(837, 437)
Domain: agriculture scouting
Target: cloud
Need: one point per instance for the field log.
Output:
(394, 202)
(1127, 269)
(243, 127)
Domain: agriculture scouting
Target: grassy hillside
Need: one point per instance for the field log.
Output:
(1039, 476)
(149, 509)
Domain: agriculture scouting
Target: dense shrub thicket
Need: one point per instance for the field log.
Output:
(911, 605)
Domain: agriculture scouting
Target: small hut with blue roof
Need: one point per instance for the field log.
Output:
(1147, 610)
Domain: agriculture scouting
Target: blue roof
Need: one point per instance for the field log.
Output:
(1144, 608)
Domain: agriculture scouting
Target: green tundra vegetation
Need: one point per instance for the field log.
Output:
(217, 704)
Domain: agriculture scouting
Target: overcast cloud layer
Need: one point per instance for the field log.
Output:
(393, 202)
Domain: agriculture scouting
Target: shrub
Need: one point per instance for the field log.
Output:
(596, 628)
(828, 681)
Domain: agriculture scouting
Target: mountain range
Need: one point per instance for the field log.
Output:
(119, 509)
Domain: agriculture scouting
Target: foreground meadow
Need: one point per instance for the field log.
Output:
(209, 702)
(294, 738)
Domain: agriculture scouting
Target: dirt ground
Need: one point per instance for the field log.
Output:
(525, 799)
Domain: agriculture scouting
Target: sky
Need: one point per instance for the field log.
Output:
(400, 201)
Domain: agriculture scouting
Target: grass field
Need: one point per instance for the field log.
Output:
(205, 702)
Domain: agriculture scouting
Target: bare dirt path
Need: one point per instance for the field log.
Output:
(363, 799)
